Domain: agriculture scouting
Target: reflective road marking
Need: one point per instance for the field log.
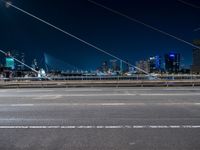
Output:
(106, 127)
(99, 104)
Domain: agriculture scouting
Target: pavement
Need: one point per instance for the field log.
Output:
(100, 119)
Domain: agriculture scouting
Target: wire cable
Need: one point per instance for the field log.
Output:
(142, 23)
(189, 4)
(73, 36)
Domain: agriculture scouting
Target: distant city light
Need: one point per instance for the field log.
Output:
(152, 58)
(172, 55)
(10, 63)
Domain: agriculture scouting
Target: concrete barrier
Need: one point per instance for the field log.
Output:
(93, 83)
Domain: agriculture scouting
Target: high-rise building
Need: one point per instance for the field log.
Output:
(195, 68)
(22, 59)
(105, 66)
(121, 66)
(143, 65)
(34, 64)
(172, 62)
(10, 63)
(124, 66)
(114, 65)
(155, 64)
(2, 59)
(19, 56)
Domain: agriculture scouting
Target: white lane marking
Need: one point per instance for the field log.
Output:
(171, 94)
(48, 97)
(132, 143)
(83, 95)
(132, 94)
(101, 95)
(106, 127)
(83, 90)
(66, 120)
(99, 104)
(103, 89)
(24, 91)
(158, 89)
(21, 105)
(3, 91)
(180, 89)
(113, 104)
(66, 95)
(126, 94)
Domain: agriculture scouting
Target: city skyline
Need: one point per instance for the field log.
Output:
(117, 35)
(169, 63)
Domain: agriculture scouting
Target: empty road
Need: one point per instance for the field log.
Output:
(100, 119)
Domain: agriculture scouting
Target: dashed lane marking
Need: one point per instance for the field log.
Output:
(99, 95)
(106, 127)
(99, 104)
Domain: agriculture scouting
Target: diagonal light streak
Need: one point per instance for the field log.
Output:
(73, 36)
(189, 4)
(142, 23)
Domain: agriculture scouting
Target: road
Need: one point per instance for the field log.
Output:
(100, 119)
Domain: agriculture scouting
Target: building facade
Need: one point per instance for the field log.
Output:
(144, 65)
(10, 63)
(172, 62)
(155, 64)
(195, 68)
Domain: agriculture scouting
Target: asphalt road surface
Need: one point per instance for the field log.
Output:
(100, 119)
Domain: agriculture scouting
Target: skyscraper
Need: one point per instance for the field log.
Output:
(113, 64)
(172, 62)
(155, 64)
(22, 59)
(144, 65)
(195, 68)
(19, 56)
(104, 66)
(9, 61)
(34, 64)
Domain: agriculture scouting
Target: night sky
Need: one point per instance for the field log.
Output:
(113, 33)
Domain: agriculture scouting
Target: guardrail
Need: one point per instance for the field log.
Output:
(100, 78)
(98, 83)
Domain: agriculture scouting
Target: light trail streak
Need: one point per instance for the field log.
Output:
(73, 36)
(142, 23)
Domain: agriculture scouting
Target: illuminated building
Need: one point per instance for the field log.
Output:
(34, 64)
(10, 63)
(19, 56)
(155, 64)
(144, 65)
(172, 62)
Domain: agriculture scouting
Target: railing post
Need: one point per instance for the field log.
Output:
(117, 82)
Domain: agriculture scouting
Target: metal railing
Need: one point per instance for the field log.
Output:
(107, 78)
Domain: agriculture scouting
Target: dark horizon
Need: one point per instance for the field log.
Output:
(115, 34)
